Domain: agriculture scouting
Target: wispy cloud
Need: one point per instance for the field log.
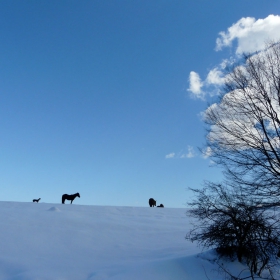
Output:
(251, 36)
(187, 153)
(171, 155)
(206, 153)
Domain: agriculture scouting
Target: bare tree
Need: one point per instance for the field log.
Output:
(244, 133)
(237, 226)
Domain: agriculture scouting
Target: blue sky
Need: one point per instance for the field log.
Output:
(105, 97)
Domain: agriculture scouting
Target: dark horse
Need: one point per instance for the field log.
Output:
(69, 197)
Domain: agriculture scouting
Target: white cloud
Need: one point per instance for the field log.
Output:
(250, 33)
(206, 153)
(214, 77)
(171, 155)
(251, 36)
(189, 153)
(195, 85)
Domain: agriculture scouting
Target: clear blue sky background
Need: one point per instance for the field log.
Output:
(94, 97)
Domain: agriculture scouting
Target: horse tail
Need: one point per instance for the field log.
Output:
(63, 199)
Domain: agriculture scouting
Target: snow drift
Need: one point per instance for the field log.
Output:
(56, 242)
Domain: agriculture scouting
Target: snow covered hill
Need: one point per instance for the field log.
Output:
(62, 241)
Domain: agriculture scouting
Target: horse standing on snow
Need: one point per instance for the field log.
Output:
(152, 202)
(69, 197)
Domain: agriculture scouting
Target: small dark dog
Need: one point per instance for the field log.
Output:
(161, 205)
(36, 200)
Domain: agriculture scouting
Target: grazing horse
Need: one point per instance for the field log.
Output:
(152, 202)
(36, 200)
(69, 197)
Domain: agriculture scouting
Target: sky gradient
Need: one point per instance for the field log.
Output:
(105, 97)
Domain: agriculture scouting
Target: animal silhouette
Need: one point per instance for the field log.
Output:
(152, 202)
(69, 197)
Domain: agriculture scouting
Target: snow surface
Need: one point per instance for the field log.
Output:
(40, 241)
